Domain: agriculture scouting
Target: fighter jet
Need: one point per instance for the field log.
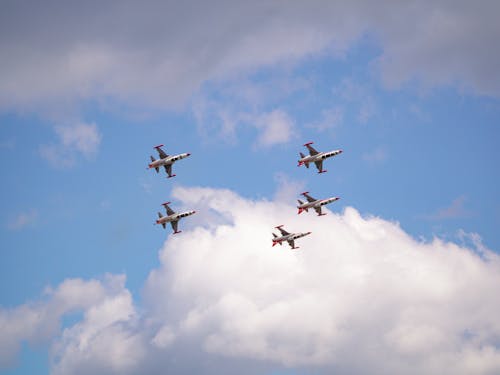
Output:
(316, 157)
(172, 217)
(314, 203)
(165, 161)
(289, 237)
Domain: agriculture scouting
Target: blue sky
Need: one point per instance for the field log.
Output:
(420, 147)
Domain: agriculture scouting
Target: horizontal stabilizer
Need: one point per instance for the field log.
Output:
(158, 146)
(308, 143)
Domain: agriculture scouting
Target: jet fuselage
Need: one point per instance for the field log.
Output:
(168, 160)
(317, 203)
(289, 237)
(318, 157)
(174, 217)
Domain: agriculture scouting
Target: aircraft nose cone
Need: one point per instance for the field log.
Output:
(188, 154)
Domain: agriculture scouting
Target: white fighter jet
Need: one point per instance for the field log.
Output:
(165, 161)
(316, 157)
(314, 203)
(172, 217)
(289, 237)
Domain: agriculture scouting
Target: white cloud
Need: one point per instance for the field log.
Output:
(22, 220)
(102, 342)
(40, 321)
(80, 138)
(360, 296)
(222, 121)
(276, 127)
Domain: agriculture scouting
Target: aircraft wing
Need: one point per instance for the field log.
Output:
(162, 153)
(168, 209)
(168, 169)
(318, 210)
(319, 165)
(163, 225)
(174, 225)
(291, 243)
(308, 197)
(283, 232)
(311, 149)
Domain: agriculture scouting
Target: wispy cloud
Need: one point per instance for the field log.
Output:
(275, 127)
(455, 210)
(377, 156)
(360, 95)
(77, 139)
(330, 119)
(22, 220)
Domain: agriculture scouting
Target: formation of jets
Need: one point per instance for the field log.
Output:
(167, 161)
(316, 204)
(314, 156)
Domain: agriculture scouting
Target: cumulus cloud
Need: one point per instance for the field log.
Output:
(79, 138)
(361, 295)
(40, 321)
(359, 288)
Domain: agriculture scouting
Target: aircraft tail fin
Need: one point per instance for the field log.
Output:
(153, 160)
(300, 208)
